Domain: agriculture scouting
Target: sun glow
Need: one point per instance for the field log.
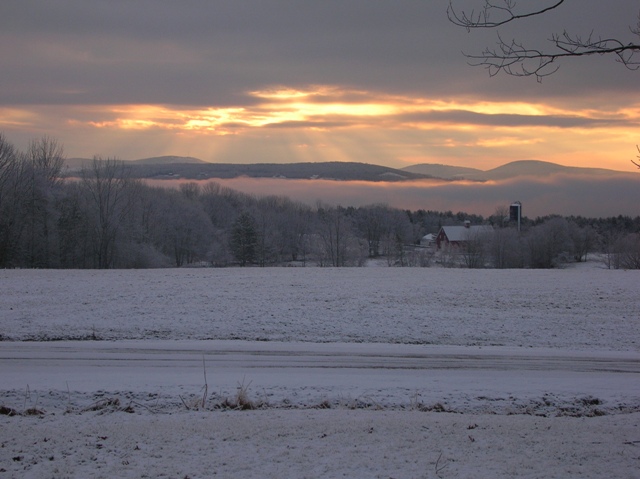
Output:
(16, 117)
(331, 108)
(341, 124)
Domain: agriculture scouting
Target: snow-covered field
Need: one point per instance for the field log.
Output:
(364, 372)
(580, 308)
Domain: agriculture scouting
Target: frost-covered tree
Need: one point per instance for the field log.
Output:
(339, 245)
(186, 229)
(548, 243)
(13, 183)
(44, 160)
(109, 197)
(474, 249)
(583, 239)
(504, 248)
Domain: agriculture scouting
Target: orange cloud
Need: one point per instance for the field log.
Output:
(335, 107)
(353, 125)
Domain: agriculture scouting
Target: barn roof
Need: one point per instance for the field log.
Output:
(463, 233)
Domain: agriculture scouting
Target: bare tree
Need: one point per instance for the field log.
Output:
(45, 159)
(190, 190)
(370, 224)
(187, 230)
(7, 157)
(549, 243)
(109, 192)
(334, 232)
(295, 226)
(473, 250)
(340, 245)
(505, 248)
(500, 217)
(74, 248)
(396, 235)
(629, 251)
(514, 58)
(13, 182)
(583, 239)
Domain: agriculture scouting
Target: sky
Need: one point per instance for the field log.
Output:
(278, 81)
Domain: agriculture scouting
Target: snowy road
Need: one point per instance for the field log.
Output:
(309, 372)
(223, 355)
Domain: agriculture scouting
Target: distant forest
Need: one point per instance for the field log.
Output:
(329, 170)
(106, 217)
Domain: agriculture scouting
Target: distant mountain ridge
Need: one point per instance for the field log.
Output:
(510, 170)
(174, 167)
(335, 170)
(77, 163)
(186, 167)
(167, 160)
(438, 170)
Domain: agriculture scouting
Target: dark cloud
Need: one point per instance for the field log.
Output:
(203, 52)
(135, 51)
(469, 117)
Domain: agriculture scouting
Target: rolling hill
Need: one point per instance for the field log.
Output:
(168, 160)
(194, 169)
(185, 167)
(514, 169)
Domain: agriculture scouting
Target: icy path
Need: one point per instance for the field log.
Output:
(463, 379)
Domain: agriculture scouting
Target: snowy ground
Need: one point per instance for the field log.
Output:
(374, 372)
(576, 308)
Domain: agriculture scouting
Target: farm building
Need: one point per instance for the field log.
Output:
(428, 240)
(457, 235)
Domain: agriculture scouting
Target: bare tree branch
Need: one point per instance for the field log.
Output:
(513, 58)
(481, 19)
(637, 164)
(517, 60)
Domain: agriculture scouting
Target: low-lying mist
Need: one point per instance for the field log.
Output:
(556, 194)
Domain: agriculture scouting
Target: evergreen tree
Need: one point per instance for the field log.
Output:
(244, 239)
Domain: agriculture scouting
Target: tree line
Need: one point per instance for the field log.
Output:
(105, 218)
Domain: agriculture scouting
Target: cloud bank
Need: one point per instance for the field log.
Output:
(557, 194)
